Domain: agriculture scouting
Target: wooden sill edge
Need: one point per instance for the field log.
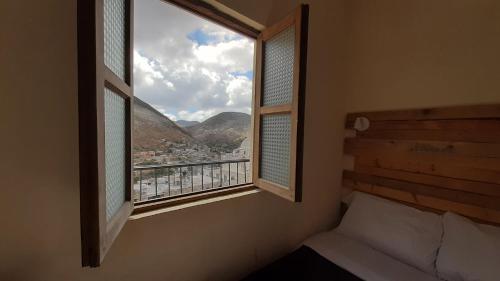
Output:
(175, 204)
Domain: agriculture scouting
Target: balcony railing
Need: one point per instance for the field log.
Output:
(164, 181)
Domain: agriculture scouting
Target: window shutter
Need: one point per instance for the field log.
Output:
(281, 54)
(104, 101)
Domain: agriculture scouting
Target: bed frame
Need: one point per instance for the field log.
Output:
(437, 159)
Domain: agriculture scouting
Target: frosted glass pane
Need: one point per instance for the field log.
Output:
(114, 36)
(114, 126)
(278, 68)
(275, 148)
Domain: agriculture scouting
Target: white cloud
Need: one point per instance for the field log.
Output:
(145, 69)
(198, 115)
(169, 84)
(171, 116)
(232, 55)
(184, 79)
(239, 91)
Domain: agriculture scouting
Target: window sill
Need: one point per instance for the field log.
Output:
(174, 204)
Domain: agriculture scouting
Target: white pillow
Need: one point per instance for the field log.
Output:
(469, 251)
(407, 234)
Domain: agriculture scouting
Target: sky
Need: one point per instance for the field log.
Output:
(189, 68)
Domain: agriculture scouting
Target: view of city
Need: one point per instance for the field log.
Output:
(192, 107)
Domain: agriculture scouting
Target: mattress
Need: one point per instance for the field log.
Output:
(363, 261)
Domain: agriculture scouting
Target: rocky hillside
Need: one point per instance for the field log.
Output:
(153, 130)
(186, 123)
(223, 132)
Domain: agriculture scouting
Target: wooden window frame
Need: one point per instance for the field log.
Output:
(206, 10)
(299, 19)
(209, 12)
(97, 233)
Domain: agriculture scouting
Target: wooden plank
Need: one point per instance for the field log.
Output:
(452, 195)
(276, 109)
(101, 160)
(360, 146)
(256, 109)
(129, 45)
(303, 25)
(449, 125)
(434, 135)
(389, 193)
(87, 119)
(420, 153)
(349, 186)
(283, 24)
(454, 112)
(437, 168)
(130, 101)
(347, 190)
(194, 203)
(416, 188)
(188, 198)
(116, 84)
(211, 13)
(294, 114)
(277, 189)
(115, 225)
(437, 181)
(484, 214)
(235, 14)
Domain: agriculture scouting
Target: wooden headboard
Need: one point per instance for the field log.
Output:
(439, 159)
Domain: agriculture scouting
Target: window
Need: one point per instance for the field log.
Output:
(279, 105)
(193, 103)
(106, 105)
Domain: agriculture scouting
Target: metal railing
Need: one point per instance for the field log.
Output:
(164, 181)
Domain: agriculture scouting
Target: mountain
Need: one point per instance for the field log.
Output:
(186, 123)
(223, 132)
(153, 130)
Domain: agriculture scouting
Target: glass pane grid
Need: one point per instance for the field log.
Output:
(114, 36)
(275, 148)
(278, 68)
(115, 150)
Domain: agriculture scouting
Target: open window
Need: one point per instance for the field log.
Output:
(106, 103)
(279, 105)
(105, 99)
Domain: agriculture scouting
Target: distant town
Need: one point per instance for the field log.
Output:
(184, 153)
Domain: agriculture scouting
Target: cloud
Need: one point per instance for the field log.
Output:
(231, 56)
(239, 91)
(198, 115)
(187, 67)
(145, 71)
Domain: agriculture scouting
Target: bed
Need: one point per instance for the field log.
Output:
(382, 240)
(429, 183)
(341, 254)
(332, 256)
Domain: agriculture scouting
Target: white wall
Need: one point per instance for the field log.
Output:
(363, 55)
(412, 53)
(40, 235)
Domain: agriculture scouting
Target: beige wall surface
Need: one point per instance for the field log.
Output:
(40, 228)
(363, 55)
(414, 53)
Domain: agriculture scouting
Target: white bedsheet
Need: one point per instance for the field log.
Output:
(363, 261)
